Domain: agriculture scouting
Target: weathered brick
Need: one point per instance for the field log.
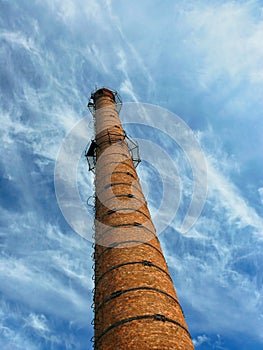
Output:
(136, 306)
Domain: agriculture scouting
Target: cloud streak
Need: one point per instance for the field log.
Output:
(199, 59)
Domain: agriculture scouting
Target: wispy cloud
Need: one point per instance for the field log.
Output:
(199, 58)
(230, 34)
(20, 39)
(140, 62)
(218, 260)
(226, 195)
(37, 322)
(200, 340)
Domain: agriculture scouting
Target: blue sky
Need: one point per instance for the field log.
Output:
(201, 60)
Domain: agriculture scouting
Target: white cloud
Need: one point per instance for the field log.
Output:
(19, 38)
(207, 283)
(225, 37)
(37, 322)
(48, 267)
(227, 195)
(216, 265)
(36, 276)
(127, 88)
(201, 339)
(140, 62)
(98, 58)
(70, 11)
(64, 10)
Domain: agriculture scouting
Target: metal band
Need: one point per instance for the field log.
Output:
(156, 317)
(128, 195)
(145, 288)
(113, 245)
(143, 262)
(115, 162)
(110, 138)
(110, 132)
(126, 224)
(118, 172)
(113, 211)
(112, 184)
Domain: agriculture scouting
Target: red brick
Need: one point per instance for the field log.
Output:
(136, 306)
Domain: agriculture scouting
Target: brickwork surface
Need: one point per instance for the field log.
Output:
(136, 306)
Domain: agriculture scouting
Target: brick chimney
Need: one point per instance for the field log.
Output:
(135, 303)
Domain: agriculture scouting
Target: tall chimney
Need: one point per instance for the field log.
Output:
(135, 303)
